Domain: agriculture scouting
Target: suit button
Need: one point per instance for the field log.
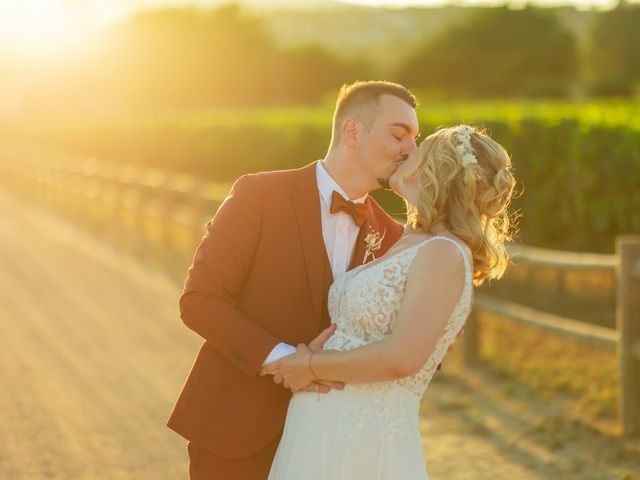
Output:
(240, 358)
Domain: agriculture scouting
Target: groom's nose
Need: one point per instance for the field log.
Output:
(408, 147)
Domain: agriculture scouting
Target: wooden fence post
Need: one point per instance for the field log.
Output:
(628, 326)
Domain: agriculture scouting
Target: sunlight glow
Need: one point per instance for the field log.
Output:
(34, 27)
(42, 28)
(580, 4)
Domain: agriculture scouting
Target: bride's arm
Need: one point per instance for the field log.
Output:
(434, 284)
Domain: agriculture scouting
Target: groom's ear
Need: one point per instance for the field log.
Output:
(350, 130)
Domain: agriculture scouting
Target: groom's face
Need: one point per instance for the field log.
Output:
(389, 140)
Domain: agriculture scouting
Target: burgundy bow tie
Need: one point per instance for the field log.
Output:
(358, 211)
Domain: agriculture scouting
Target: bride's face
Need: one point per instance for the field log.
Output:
(408, 188)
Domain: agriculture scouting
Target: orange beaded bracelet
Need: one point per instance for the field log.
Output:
(311, 369)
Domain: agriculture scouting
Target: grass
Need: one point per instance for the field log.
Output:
(584, 378)
(610, 113)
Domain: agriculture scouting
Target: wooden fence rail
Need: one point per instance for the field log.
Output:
(624, 339)
(162, 216)
(143, 209)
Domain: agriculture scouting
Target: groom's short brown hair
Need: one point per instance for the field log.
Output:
(364, 97)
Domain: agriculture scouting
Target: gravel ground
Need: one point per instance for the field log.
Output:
(94, 354)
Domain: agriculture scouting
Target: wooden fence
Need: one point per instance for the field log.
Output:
(144, 210)
(624, 339)
(162, 217)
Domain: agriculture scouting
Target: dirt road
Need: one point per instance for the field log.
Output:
(93, 355)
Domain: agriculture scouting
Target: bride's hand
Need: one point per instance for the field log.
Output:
(317, 385)
(294, 372)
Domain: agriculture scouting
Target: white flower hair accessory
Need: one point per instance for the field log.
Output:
(464, 148)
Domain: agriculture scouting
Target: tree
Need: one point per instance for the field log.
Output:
(498, 52)
(614, 52)
(310, 71)
(185, 57)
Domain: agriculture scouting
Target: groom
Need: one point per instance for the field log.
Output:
(259, 280)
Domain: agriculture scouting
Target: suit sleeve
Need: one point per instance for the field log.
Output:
(216, 276)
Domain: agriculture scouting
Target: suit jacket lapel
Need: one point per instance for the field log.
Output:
(306, 200)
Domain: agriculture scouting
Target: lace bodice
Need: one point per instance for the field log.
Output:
(366, 430)
(365, 301)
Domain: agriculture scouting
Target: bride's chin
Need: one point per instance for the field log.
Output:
(394, 185)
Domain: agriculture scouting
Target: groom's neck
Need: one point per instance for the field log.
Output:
(346, 172)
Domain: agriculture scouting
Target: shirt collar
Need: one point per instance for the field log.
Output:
(326, 185)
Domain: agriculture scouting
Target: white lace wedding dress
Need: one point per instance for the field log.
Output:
(366, 431)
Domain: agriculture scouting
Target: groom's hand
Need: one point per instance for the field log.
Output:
(272, 369)
(319, 386)
(316, 388)
(316, 347)
(317, 343)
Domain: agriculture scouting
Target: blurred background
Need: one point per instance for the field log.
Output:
(124, 122)
(182, 86)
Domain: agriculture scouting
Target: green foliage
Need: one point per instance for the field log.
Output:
(194, 58)
(579, 166)
(189, 57)
(308, 72)
(498, 52)
(615, 51)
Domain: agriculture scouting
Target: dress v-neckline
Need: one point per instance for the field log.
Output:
(369, 265)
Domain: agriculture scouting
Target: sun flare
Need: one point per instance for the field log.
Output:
(38, 27)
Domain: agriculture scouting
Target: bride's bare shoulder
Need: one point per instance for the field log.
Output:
(442, 252)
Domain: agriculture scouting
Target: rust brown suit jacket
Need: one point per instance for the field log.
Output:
(260, 276)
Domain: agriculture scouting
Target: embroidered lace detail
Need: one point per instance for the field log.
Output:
(364, 303)
(341, 341)
(379, 410)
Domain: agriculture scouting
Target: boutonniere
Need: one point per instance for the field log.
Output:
(372, 242)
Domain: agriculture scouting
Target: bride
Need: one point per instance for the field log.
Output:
(396, 317)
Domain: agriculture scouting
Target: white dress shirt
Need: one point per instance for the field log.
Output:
(339, 231)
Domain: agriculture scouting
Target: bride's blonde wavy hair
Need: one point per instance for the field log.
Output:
(470, 199)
